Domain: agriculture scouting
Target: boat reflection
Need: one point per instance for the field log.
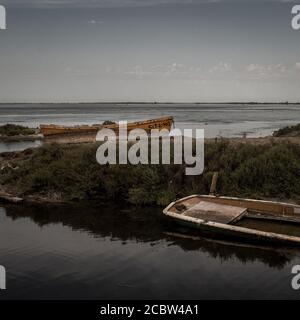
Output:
(146, 225)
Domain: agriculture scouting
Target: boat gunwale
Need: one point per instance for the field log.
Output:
(241, 230)
(142, 122)
(80, 129)
(227, 227)
(233, 198)
(109, 125)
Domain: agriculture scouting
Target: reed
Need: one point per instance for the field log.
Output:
(71, 172)
(15, 130)
(291, 131)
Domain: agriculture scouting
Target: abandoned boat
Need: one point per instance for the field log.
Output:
(56, 130)
(53, 130)
(248, 219)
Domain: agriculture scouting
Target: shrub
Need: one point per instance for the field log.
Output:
(292, 131)
(259, 171)
(15, 130)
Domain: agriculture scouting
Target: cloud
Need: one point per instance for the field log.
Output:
(176, 67)
(221, 67)
(95, 21)
(255, 68)
(266, 71)
(138, 72)
(173, 69)
(222, 70)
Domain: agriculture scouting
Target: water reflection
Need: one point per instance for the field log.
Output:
(149, 226)
(11, 146)
(96, 251)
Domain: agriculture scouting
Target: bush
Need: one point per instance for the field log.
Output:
(258, 171)
(15, 130)
(292, 131)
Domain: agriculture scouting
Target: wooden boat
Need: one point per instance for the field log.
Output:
(247, 219)
(52, 129)
(148, 125)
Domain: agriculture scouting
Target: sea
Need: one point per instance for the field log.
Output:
(226, 120)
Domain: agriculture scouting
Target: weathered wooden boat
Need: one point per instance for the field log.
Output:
(148, 125)
(53, 130)
(247, 219)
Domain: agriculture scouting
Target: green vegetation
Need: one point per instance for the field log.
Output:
(292, 131)
(15, 130)
(70, 172)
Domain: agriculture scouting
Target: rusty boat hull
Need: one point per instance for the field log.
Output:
(52, 131)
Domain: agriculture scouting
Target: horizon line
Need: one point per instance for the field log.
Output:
(152, 102)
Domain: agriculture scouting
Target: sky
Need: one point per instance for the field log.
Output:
(149, 50)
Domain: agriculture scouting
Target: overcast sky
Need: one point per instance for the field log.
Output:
(149, 50)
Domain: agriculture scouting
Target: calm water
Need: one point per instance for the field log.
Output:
(18, 146)
(102, 252)
(227, 120)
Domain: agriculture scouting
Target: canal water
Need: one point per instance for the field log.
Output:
(96, 251)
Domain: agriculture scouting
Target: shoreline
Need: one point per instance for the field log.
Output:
(20, 138)
(152, 102)
(80, 139)
(8, 198)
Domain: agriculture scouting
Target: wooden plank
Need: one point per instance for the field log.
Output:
(213, 186)
(5, 197)
(255, 205)
(216, 212)
(272, 217)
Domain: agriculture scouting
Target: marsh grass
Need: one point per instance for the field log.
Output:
(292, 131)
(72, 172)
(15, 130)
